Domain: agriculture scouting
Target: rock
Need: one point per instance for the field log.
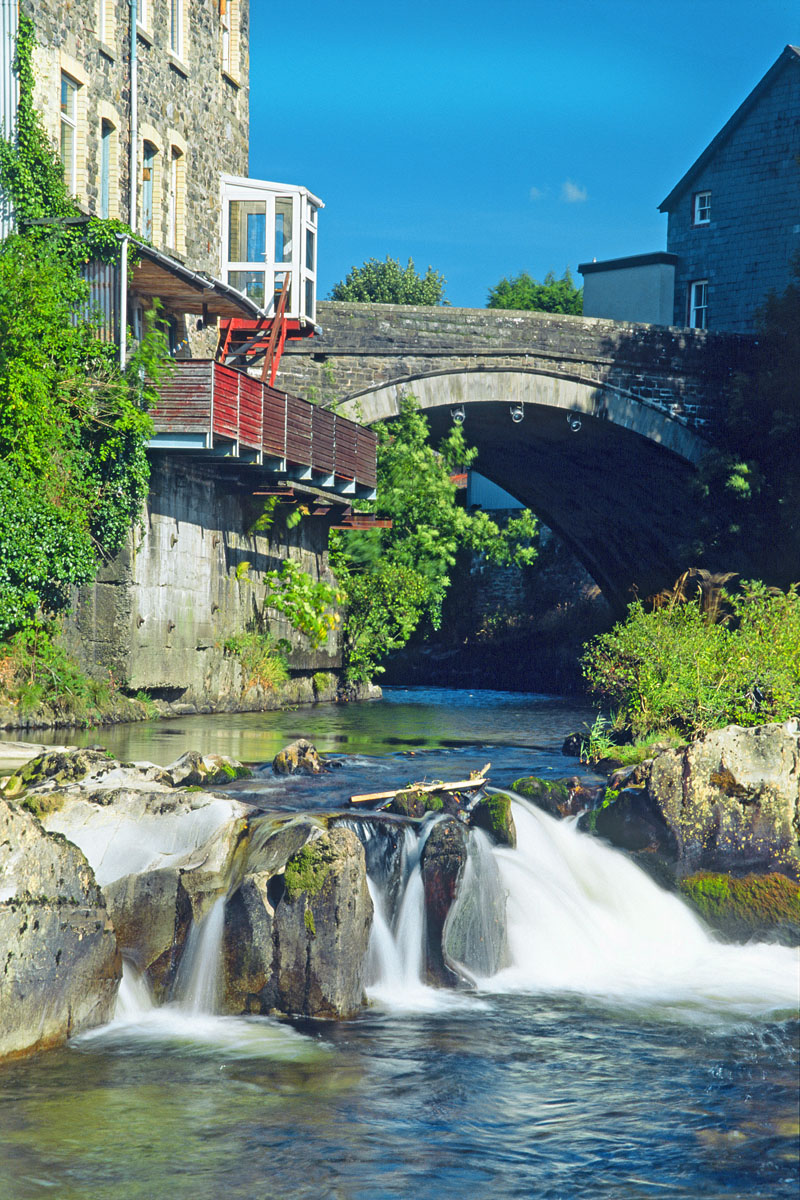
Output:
(632, 822)
(415, 804)
(731, 799)
(14, 755)
(444, 856)
(153, 911)
(59, 963)
(558, 797)
(296, 942)
(298, 758)
(194, 769)
(493, 814)
(753, 908)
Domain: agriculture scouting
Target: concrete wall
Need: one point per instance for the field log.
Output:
(630, 290)
(188, 103)
(159, 614)
(745, 250)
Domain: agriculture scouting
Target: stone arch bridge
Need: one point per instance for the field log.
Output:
(612, 419)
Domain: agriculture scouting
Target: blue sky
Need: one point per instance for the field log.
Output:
(487, 139)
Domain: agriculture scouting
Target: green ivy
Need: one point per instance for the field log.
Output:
(73, 428)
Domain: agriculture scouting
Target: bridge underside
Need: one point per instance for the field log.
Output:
(616, 487)
(621, 502)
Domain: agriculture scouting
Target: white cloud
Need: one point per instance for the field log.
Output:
(572, 193)
(536, 193)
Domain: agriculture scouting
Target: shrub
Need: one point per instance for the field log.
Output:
(675, 666)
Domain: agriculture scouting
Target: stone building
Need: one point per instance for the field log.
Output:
(733, 223)
(167, 108)
(734, 217)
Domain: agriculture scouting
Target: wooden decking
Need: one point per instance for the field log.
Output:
(207, 407)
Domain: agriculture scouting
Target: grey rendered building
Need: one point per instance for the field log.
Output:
(734, 217)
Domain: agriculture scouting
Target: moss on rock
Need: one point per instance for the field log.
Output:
(308, 870)
(493, 814)
(750, 907)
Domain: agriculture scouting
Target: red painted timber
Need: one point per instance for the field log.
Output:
(251, 415)
(298, 431)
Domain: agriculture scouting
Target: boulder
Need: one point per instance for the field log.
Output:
(493, 814)
(59, 963)
(298, 758)
(153, 911)
(194, 769)
(731, 800)
(442, 863)
(558, 797)
(296, 940)
(753, 908)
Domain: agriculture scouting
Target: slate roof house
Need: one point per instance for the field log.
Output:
(733, 223)
(734, 217)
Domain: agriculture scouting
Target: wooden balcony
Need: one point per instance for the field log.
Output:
(208, 408)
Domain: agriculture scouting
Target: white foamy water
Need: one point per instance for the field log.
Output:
(582, 918)
(172, 1028)
(397, 949)
(198, 982)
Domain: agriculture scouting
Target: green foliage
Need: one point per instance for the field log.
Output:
(749, 487)
(263, 663)
(387, 282)
(397, 577)
(73, 430)
(35, 670)
(676, 667)
(524, 292)
(306, 603)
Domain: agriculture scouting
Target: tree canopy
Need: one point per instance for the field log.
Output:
(396, 578)
(388, 282)
(750, 485)
(524, 292)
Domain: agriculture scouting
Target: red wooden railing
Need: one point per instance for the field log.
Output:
(204, 397)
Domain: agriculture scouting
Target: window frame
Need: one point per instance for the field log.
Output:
(694, 309)
(69, 121)
(701, 203)
(176, 29)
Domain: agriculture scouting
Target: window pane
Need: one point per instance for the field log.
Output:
(276, 295)
(309, 250)
(249, 282)
(283, 229)
(69, 93)
(105, 166)
(309, 312)
(68, 155)
(247, 231)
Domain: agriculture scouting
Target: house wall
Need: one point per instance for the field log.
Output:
(754, 179)
(642, 293)
(189, 103)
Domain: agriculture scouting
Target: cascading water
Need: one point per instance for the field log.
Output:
(583, 919)
(197, 983)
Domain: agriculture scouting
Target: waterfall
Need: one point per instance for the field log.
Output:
(198, 979)
(133, 998)
(474, 939)
(582, 918)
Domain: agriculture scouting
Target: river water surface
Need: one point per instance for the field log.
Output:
(621, 1054)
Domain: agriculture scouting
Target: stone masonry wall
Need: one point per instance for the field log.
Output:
(159, 614)
(746, 248)
(188, 103)
(684, 372)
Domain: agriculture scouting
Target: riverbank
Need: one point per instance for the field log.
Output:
(119, 709)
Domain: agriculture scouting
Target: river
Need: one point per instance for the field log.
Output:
(622, 1055)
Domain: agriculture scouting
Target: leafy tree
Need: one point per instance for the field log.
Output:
(525, 292)
(395, 578)
(749, 487)
(387, 282)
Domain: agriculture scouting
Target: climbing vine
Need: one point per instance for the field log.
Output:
(73, 427)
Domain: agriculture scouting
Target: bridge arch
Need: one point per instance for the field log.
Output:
(615, 484)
